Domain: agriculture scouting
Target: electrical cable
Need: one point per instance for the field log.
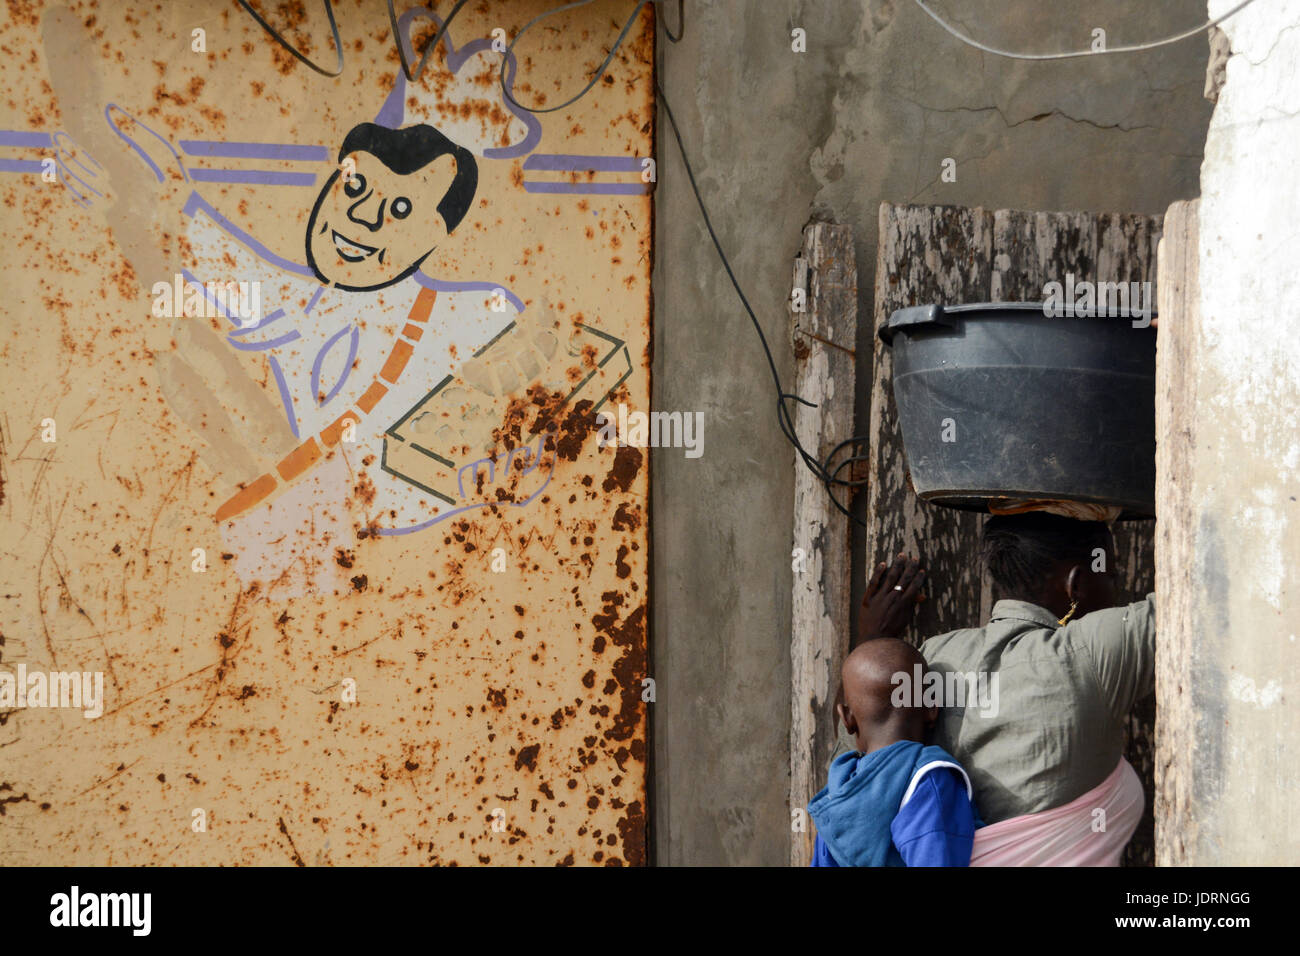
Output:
(429, 47)
(681, 25)
(334, 28)
(1131, 48)
(822, 470)
(505, 91)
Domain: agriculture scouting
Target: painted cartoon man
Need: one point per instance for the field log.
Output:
(361, 335)
(353, 339)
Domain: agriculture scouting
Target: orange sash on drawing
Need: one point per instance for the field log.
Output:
(1071, 835)
(310, 451)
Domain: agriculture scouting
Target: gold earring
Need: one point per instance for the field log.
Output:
(1069, 614)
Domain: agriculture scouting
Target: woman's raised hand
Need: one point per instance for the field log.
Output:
(891, 598)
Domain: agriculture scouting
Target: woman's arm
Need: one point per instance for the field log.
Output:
(1122, 644)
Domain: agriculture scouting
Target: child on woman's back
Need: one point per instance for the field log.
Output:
(895, 802)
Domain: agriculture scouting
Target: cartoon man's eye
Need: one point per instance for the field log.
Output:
(401, 207)
(355, 186)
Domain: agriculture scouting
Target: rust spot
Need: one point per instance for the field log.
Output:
(627, 462)
(627, 518)
(15, 798)
(578, 424)
(527, 757)
(632, 828)
(629, 636)
(364, 489)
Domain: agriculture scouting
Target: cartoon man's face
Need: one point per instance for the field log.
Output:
(375, 227)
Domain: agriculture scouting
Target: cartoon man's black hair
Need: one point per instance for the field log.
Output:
(405, 151)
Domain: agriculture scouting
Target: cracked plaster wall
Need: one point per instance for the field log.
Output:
(1235, 773)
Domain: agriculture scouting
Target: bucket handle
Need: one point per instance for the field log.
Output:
(914, 317)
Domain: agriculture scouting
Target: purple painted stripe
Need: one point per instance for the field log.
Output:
(557, 162)
(260, 177)
(65, 152)
(600, 189)
(290, 151)
(157, 171)
(19, 137)
(530, 120)
(197, 202)
(461, 510)
(20, 165)
(277, 314)
(285, 399)
(394, 108)
(63, 168)
(320, 361)
(268, 344)
(189, 278)
(68, 186)
(446, 285)
(315, 297)
(347, 369)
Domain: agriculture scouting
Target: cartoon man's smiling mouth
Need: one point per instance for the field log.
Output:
(350, 251)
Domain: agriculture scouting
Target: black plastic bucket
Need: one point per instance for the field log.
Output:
(1001, 401)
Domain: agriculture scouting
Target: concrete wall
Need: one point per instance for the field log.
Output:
(869, 112)
(1229, 657)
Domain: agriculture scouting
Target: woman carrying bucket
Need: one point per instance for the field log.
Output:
(1046, 760)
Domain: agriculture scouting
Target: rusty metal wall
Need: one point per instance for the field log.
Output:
(360, 581)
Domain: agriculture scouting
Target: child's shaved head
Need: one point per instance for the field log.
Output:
(868, 680)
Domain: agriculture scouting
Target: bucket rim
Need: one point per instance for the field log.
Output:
(932, 315)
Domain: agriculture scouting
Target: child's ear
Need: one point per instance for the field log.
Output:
(846, 718)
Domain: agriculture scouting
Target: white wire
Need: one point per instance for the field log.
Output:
(1131, 48)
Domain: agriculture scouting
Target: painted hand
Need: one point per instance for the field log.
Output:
(514, 477)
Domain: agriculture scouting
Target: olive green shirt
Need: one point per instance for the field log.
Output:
(1063, 697)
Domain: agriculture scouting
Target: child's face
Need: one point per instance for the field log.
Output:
(374, 227)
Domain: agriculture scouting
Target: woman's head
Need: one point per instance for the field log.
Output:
(1051, 561)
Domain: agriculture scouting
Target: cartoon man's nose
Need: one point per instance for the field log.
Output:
(357, 212)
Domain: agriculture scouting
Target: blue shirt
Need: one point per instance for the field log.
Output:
(904, 805)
